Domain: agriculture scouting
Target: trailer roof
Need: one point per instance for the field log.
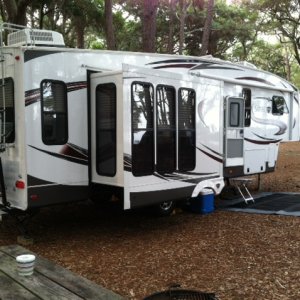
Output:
(203, 66)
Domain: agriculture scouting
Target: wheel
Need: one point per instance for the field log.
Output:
(165, 208)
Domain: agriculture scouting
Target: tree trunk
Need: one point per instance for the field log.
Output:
(207, 27)
(296, 50)
(287, 65)
(109, 26)
(16, 11)
(79, 26)
(149, 25)
(244, 53)
(184, 5)
(3, 12)
(170, 47)
(11, 9)
(42, 15)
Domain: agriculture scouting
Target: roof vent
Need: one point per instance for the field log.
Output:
(35, 37)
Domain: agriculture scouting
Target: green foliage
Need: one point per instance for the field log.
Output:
(246, 26)
(234, 24)
(94, 42)
(268, 57)
(284, 19)
(128, 27)
(128, 32)
(295, 79)
(236, 30)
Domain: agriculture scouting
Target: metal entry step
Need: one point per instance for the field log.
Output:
(241, 185)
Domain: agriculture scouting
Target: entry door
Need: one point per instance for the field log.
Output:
(105, 90)
(234, 131)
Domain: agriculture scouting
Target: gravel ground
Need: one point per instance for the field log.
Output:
(234, 255)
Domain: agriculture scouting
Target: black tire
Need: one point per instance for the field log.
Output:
(165, 208)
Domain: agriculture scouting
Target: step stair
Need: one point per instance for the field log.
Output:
(241, 185)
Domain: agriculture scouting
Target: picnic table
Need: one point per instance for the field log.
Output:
(49, 281)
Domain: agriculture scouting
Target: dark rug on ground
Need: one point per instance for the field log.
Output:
(266, 203)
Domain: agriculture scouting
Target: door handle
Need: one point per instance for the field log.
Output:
(241, 132)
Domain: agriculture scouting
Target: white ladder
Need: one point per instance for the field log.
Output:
(2, 84)
(4, 27)
(241, 185)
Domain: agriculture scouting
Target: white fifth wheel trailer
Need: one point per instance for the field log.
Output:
(148, 128)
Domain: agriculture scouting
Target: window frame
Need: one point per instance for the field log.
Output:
(179, 130)
(247, 117)
(133, 130)
(12, 140)
(236, 124)
(66, 138)
(158, 169)
(99, 172)
(285, 109)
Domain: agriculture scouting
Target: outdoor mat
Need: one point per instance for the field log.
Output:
(266, 203)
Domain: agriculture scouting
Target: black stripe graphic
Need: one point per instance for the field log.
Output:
(75, 86)
(217, 153)
(266, 139)
(32, 54)
(173, 61)
(127, 162)
(194, 173)
(34, 181)
(62, 156)
(184, 66)
(220, 160)
(197, 180)
(262, 142)
(256, 79)
(214, 67)
(72, 150)
(34, 95)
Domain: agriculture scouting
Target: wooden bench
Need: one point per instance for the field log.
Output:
(49, 281)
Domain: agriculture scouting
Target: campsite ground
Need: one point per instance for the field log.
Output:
(235, 255)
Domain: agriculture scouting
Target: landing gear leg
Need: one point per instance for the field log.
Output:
(22, 221)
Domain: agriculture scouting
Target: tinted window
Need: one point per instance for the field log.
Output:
(106, 129)
(279, 106)
(247, 97)
(54, 112)
(142, 128)
(166, 129)
(186, 130)
(7, 105)
(234, 115)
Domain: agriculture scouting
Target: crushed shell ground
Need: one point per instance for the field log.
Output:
(234, 255)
